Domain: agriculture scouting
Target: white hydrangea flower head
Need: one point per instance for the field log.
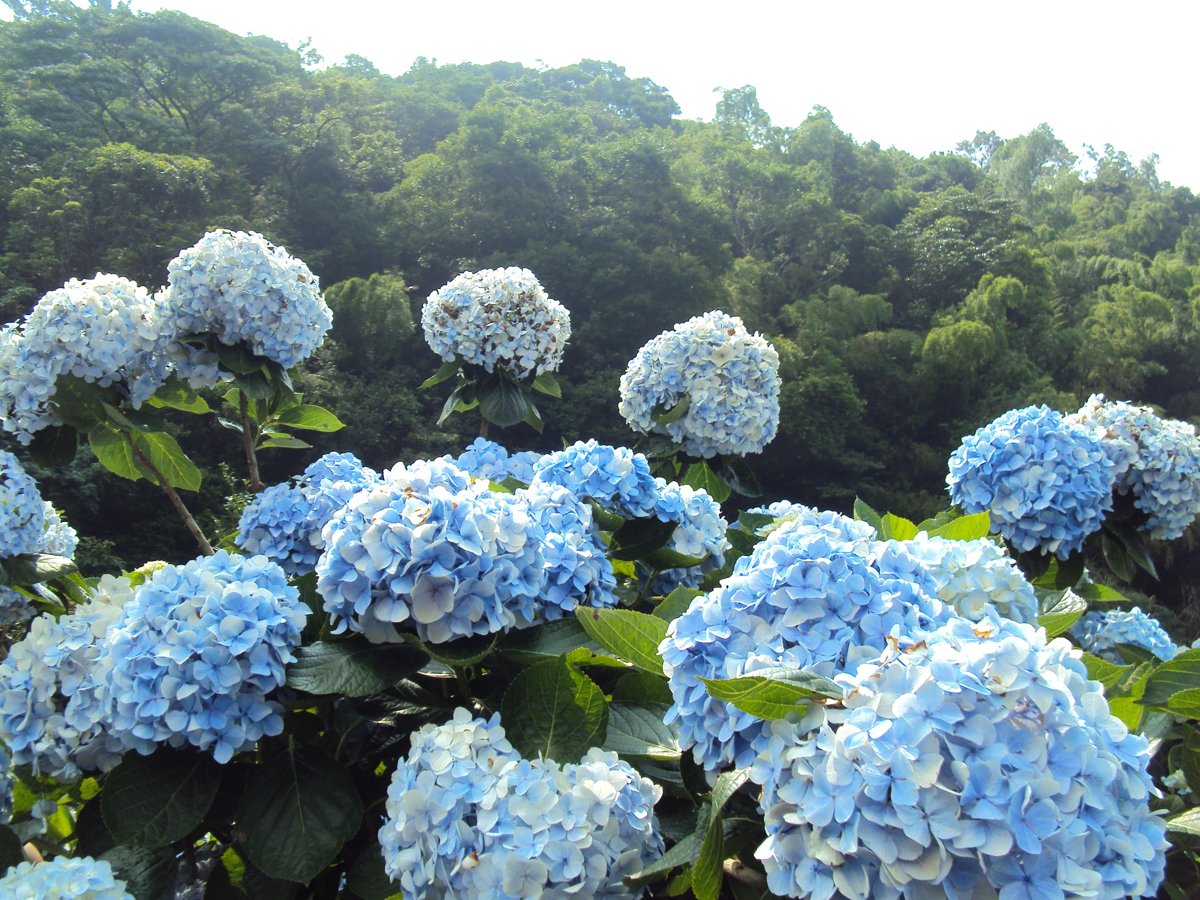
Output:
(244, 289)
(729, 377)
(497, 319)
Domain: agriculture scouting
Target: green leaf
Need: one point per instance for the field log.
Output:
(35, 568)
(1116, 558)
(1103, 671)
(367, 878)
(238, 359)
(1100, 593)
(641, 689)
(1186, 823)
(276, 441)
(864, 513)
(1185, 703)
(1179, 674)
(627, 635)
(665, 558)
(965, 528)
(297, 811)
(308, 417)
(682, 854)
(738, 475)
(553, 710)
(174, 393)
(10, 848)
(168, 457)
(1063, 614)
(461, 399)
(638, 538)
(445, 370)
(152, 801)
(896, 528)
(773, 693)
(149, 874)
(547, 384)
(54, 446)
(1060, 574)
(80, 404)
(662, 415)
(637, 730)
(701, 477)
(1189, 757)
(115, 452)
(353, 667)
(550, 640)
(502, 401)
(256, 386)
(707, 872)
(533, 418)
(676, 603)
(461, 653)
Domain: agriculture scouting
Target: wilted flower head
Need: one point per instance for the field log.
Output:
(1045, 482)
(1102, 633)
(728, 378)
(497, 319)
(22, 510)
(69, 878)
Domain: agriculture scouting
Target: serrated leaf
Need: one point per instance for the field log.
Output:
(297, 811)
(1100, 593)
(1186, 823)
(152, 801)
(1179, 674)
(663, 415)
(546, 383)
(353, 667)
(641, 689)
(707, 871)
(308, 417)
(1063, 614)
(168, 457)
(281, 442)
(80, 404)
(175, 394)
(864, 513)
(638, 538)
(445, 371)
(701, 477)
(1185, 703)
(149, 874)
(115, 452)
(965, 528)
(682, 854)
(533, 418)
(896, 528)
(1103, 671)
(638, 730)
(773, 693)
(1116, 558)
(626, 634)
(553, 710)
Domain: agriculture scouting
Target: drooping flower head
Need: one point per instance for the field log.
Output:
(1102, 633)
(728, 377)
(1045, 482)
(22, 510)
(63, 878)
(467, 817)
(980, 760)
(197, 652)
(244, 289)
(497, 319)
(1156, 460)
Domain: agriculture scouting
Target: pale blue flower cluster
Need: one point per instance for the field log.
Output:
(22, 509)
(59, 538)
(1101, 633)
(489, 460)
(971, 575)
(284, 522)
(497, 319)
(63, 878)
(816, 594)
(1156, 460)
(431, 551)
(105, 330)
(1046, 483)
(617, 478)
(980, 760)
(729, 378)
(196, 653)
(468, 818)
(700, 533)
(50, 715)
(243, 289)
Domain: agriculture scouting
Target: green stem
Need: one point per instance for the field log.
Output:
(249, 436)
(175, 499)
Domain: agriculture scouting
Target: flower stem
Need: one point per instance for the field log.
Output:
(175, 499)
(249, 436)
(483, 426)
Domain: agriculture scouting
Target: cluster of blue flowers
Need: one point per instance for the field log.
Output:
(467, 817)
(497, 319)
(972, 575)
(59, 538)
(1047, 483)
(818, 593)
(22, 509)
(981, 759)
(196, 652)
(1101, 633)
(1156, 460)
(63, 878)
(489, 460)
(284, 522)
(728, 377)
(243, 289)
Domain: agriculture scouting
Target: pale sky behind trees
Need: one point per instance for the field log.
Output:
(921, 76)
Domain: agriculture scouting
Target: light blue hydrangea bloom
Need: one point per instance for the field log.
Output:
(468, 818)
(63, 878)
(196, 653)
(22, 509)
(812, 595)
(729, 377)
(434, 552)
(50, 717)
(244, 289)
(26, 386)
(1045, 482)
(981, 760)
(700, 533)
(617, 478)
(489, 460)
(1101, 632)
(1156, 460)
(497, 319)
(60, 538)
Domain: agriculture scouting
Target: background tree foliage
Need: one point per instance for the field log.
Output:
(912, 299)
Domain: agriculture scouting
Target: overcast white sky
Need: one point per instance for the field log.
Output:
(919, 75)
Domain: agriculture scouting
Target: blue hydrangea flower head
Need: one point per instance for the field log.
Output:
(813, 595)
(26, 386)
(1045, 482)
(22, 509)
(1100, 633)
(467, 817)
(59, 538)
(432, 552)
(1156, 460)
(699, 533)
(729, 377)
(497, 319)
(617, 478)
(491, 461)
(982, 760)
(63, 878)
(197, 652)
(244, 289)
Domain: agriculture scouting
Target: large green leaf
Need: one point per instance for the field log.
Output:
(175, 394)
(638, 538)
(10, 848)
(168, 457)
(445, 370)
(964, 528)
(553, 710)
(707, 871)
(701, 476)
(1063, 614)
(353, 667)
(115, 452)
(547, 384)
(628, 635)
(1186, 823)
(773, 693)
(367, 878)
(676, 603)
(1179, 674)
(152, 801)
(54, 446)
(502, 401)
(639, 731)
(682, 854)
(308, 417)
(35, 568)
(148, 873)
(896, 528)
(80, 404)
(550, 640)
(1103, 671)
(238, 359)
(1185, 703)
(297, 811)
(864, 513)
